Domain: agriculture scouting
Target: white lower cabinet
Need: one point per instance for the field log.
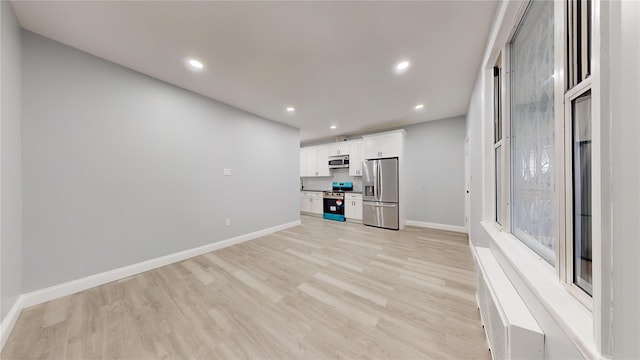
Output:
(311, 202)
(305, 204)
(353, 206)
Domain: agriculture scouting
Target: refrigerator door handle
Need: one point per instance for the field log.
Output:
(378, 179)
(384, 205)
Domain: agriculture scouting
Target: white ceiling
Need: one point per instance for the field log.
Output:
(332, 61)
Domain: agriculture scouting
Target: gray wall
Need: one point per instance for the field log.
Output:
(10, 162)
(435, 171)
(120, 168)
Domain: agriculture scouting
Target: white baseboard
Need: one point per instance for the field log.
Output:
(71, 287)
(74, 286)
(460, 229)
(10, 320)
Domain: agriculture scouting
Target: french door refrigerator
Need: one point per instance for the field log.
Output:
(380, 197)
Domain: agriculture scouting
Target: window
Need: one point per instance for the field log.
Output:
(542, 139)
(581, 194)
(578, 41)
(578, 142)
(498, 144)
(533, 192)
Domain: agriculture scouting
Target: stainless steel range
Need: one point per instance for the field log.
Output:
(333, 201)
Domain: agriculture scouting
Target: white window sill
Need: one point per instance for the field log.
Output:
(570, 314)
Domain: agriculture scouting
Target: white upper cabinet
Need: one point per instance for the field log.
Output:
(308, 162)
(384, 145)
(314, 161)
(339, 148)
(303, 162)
(355, 157)
(322, 160)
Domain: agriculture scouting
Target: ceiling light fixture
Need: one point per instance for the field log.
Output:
(402, 65)
(291, 109)
(419, 107)
(196, 64)
(333, 127)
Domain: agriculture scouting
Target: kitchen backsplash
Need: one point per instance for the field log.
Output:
(324, 183)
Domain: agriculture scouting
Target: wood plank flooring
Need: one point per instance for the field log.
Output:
(319, 290)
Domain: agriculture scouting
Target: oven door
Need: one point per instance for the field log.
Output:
(333, 208)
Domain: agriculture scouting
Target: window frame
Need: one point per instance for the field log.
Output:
(503, 60)
(571, 90)
(570, 95)
(563, 267)
(501, 144)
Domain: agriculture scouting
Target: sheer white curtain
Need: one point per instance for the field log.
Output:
(533, 218)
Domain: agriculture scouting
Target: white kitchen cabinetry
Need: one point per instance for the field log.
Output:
(384, 145)
(303, 162)
(311, 202)
(314, 161)
(308, 161)
(355, 157)
(322, 160)
(339, 148)
(353, 206)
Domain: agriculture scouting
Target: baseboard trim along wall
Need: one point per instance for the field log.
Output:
(74, 286)
(460, 229)
(10, 320)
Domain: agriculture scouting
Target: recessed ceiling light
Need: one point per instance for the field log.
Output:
(419, 107)
(402, 66)
(196, 64)
(333, 127)
(291, 109)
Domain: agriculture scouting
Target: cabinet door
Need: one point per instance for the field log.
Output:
(305, 204)
(355, 158)
(322, 160)
(372, 147)
(312, 160)
(303, 162)
(357, 209)
(353, 209)
(316, 206)
(339, 148)
(390, 145)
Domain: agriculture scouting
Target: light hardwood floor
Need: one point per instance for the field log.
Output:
(316, 291)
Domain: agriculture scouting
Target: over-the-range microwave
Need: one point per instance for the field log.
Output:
(337, 162)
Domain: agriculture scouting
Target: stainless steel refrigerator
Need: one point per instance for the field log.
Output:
(380, 196)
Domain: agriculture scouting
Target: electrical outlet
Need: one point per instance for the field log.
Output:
(227, 222)
(227, 172)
